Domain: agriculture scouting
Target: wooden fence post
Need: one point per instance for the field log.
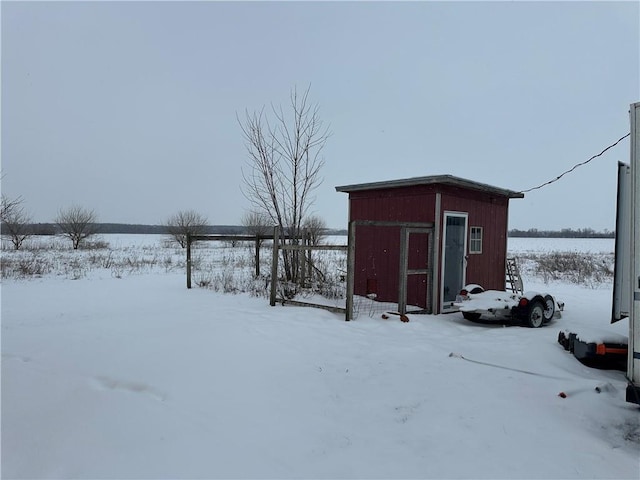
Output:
(303, 261)
(351, 262)
(274, 266)
(257, 257)
(188, 260)
(308, 253)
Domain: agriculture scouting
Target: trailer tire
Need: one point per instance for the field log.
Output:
(535, 314)
(471, 316)
(550, 308)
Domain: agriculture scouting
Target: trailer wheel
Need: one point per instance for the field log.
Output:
(471, 316)
(535, 315)
(550, 308)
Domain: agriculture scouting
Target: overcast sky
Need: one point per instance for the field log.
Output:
(130, 108)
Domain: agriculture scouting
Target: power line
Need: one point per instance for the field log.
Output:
(575, 166)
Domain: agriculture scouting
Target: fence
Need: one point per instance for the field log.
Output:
(257, 239)
(396, 240)
(306, 269)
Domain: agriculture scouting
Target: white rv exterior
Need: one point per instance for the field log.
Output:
(622, 267)
(626, 281)
(633, 369)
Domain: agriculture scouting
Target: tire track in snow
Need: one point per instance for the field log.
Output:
(108, 383)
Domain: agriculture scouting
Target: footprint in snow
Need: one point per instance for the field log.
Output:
(107, 383)
(16, 357)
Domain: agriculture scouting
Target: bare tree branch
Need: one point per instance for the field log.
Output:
(257, 223)
(316, 228)
(183, 223)
(77, 224)
(283, 165)
(16, 222)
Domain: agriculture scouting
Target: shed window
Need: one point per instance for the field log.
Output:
(475, 243)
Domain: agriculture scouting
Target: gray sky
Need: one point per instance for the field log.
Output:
(130, 108)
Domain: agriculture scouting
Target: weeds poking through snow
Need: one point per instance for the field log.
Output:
(228, 269)
(47, 255)
(587, 269)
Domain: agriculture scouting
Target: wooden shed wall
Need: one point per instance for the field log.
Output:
(408, 204)
(377, 256)
(377, 262)
(490, 213)
(377, 248)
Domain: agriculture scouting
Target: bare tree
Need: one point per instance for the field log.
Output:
(257, 223)
(183, 223)
(76, 223)
(8, 205)
(16, 222)
(315, 228)
(283, 167)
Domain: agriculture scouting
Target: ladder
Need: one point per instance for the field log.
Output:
(514, 280)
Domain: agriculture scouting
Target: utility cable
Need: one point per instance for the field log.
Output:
(457, 355)
(575, 166)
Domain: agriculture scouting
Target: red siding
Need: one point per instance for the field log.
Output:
(410, 204)
(377, 256)
(490, 213)
(377, 262)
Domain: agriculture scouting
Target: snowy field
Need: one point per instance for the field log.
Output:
(519, 246)
(122, 373)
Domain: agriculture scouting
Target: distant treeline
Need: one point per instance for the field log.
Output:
(106, 228)
(564, 233)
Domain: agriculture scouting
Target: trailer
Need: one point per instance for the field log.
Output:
(626, 287)
(533, 309)
(621, 352)
(626, 283)
(606, 349)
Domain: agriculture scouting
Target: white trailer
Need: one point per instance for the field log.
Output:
(633, 369)
(626, 287)
(533, 309)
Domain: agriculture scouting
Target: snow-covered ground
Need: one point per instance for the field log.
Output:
(518, 245)
(134, 376)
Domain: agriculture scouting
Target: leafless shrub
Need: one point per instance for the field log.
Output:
(224, 281)
(16, 222)
(167, 263)
(204, 280)
(77, 224)
(331, 282)
(315, 228)
(183, 223)
(107, 261)
(94, 245)
(117, 271)
(44, 243)
(259, 287)
(25, 266)
(257, 224)
(75, 269)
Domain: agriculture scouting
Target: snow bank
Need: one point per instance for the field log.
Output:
(138, 377)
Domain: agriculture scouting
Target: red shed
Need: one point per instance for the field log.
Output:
(418, 241)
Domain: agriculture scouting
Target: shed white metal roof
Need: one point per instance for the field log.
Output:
(432, 180)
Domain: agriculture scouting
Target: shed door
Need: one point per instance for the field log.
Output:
(454, 260)
(415, 269)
